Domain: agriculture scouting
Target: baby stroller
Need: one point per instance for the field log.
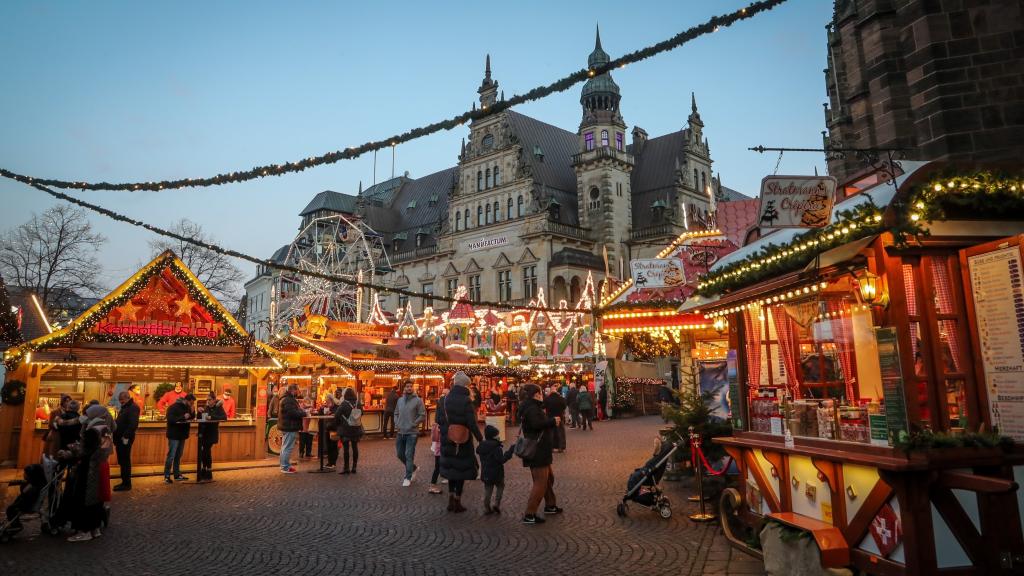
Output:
(643, 485)
(28, 502)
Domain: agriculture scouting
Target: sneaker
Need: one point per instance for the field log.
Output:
(167, 480)
(444, 481)
(552, 510)
(96, 533)
(181, 478)
(406, 483)
(80, 537)
(122, 488)
(330, 467)
(288, 470)
(533, 519)
(434, 489)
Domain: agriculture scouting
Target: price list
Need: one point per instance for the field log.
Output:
(999, 306)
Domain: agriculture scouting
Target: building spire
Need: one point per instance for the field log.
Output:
(487, 69)
(693, 102)
(488, 89)
(597, 44)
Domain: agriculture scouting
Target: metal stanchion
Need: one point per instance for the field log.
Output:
(703, 515)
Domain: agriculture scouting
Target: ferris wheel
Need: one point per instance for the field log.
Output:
(334, 245)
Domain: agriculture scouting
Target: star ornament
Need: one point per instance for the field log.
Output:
(184, 307)
(129, 311)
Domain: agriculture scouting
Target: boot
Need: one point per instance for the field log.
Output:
(458, 505)
(451, 503)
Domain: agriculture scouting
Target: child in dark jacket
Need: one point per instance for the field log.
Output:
(492, 468)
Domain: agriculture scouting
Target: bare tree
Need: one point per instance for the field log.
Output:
(214, 270)
(54, 255)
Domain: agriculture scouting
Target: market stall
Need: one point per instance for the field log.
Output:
(870, 361)
(159, 329)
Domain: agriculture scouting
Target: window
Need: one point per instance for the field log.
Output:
(403, 301)
(480, 180)
(519, 206)
(479, 215)
(595, 198)
(487, 218)
(488, 142)
(466, 220)
(474, 288)
(450, 286)
(497, 211)
(508, 214)
(497, 176)
(428, 289)
(504, 285)
(695, 178)
(487, 179)
(419, 239)
(588, 139)
(458, 220)
(618, 189)
(529, 282)
(604, 138)
(703, 181)
(618, 141)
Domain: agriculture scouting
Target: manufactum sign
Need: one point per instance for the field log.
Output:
(483, 243)
(657, 272)
(796, 201)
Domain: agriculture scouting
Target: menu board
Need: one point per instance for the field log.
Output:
(892, 384)
(732, 374)
(998, 292)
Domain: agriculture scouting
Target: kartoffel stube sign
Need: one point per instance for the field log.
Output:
(796, 201)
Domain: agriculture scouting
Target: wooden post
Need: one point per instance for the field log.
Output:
(31, 375)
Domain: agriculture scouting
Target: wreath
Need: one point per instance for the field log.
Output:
(13, 393)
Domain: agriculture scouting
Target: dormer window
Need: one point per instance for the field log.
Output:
(488, 142)
(555, 210)
(411, 206)
(588, 140)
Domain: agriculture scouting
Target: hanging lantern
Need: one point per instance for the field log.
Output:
(872, 288)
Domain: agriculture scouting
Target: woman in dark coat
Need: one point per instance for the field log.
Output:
(458, 462)
(349, 434)
(537, 424)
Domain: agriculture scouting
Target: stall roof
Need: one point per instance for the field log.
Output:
(228, 358)
(840, 254)
(343, 346)
(881, 194)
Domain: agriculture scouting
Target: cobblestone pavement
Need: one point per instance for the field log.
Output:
(260, 521)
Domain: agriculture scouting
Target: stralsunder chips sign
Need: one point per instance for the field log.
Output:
(796, 201)
(657, 272)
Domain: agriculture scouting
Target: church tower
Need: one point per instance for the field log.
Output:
(602, 164)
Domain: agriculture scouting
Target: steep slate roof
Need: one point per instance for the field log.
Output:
(330, 200)
(733, 195)
(653, 176)
(424, 214)
(384, 192)
(558, 146)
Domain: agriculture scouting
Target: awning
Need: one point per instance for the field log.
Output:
(627, 369)
(839, 254)
(120, 357)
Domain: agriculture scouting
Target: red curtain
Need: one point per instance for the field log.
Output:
(842, 336)
(752, 334)
(786, 333)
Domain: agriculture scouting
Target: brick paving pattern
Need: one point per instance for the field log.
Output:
(260, 521)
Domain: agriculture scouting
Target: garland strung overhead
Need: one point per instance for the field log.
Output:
(276, 266)
(10, 333)
(712, 25)
(976, 196)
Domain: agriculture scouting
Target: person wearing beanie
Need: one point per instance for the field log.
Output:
(492, 468)
(458, 460)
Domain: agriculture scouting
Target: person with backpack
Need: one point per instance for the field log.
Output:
(492, 468)
(456, 417)
(537, 438)
(289, 422)
(585, 407)
(348, 420)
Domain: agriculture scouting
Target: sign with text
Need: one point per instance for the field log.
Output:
(997, 288)
(484, 243)
(892, 384)
(796, 201)
(159, 329)
(657, 272)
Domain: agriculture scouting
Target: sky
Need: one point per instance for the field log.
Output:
(129, 91)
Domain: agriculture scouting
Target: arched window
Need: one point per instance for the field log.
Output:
(480, 180)
(703, 182)
(466, 219)
(604, 138)
(479, 215)
(595, 198)
(508, 214)
(497, 211)
(497, 177)
(488, 211)
(519, 206)
(695, 180)
(487, 181)
(458, 220)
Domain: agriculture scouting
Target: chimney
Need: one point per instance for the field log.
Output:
(639, 139)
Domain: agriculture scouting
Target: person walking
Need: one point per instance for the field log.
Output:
(602, 401)
(574, 409)
(409, 414)
(179, 415)
(124, 438)
(456, 416)
(289, 422)
(390, 403)
(209, 434)
(539, 427)
(492, 468)
(554, 405)
(585, 407)
(348, 420)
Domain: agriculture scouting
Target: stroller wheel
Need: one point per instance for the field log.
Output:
(621, 509)
(665, 511)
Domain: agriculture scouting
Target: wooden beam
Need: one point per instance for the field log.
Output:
(976, 483)
(833, 475)
(28, 419)
(858, 525)
(781, 464)
(763, 483)
(959, 523)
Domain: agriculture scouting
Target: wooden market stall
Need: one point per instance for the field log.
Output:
(870, 361)
(159, 328)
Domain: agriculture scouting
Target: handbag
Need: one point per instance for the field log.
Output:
(458, 434)
(526, 447)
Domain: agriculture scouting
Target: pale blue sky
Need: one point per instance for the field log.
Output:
(124, 91)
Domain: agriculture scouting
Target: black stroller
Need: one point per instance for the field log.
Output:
(41, 496)
(643, 485)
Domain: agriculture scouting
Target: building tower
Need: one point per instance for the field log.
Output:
(698, 189)
(602, 164)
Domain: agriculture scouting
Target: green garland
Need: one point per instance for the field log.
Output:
(929, 440)
(983, 195)
(646, 348)
(645, 305)
(13, 393)
(9, 332)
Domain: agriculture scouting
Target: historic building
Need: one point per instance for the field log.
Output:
(530, 205)
(942, 80)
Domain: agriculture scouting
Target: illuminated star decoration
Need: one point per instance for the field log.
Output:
(185, 306)
(158, 296)
(129, 311)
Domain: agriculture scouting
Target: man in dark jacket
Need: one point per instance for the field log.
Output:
(289, 422)
(390, 403)
(179, 415)
(539, 427)
(602, 401)
(124, 436)
(209, 434)
(458, 461)
(554, 405)
(574, 410)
